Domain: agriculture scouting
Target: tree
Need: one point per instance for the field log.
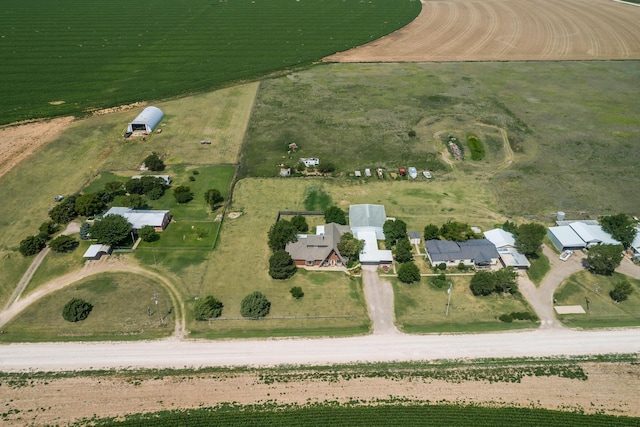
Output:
(621, 228)
(85, 234)
(111, 230)
(65, 211)
(89, 204)
(431, 232)
(153, 162)
(76, 309)
(148, 234)
(483, 283)
(335, 214)
(134, 186)
(456, 231)
(403, 251)
(409, 273)
(440, 281)
(133, 201)
(281, 233)
(62, 244)
(349, 246)
(529, 238)
(296, 292)
(281, 265)
(49, 228)
(207, 308)
(213, 198)
(255, 305)
(32, 245)
(604, 259)
(506, 280)
(116, 188)
(300, 223)
(621, 291)
(510, 227)
(394, 231)
(182, 194)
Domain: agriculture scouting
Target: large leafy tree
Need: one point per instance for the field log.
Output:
(32, 245)
(281, 265)
(349, 246)
(255, 305)
(621, 291)
(409, 272)
(300, 223)
(431, 232)
(148, 234)
(76, 310)
(182, 194)
(213, 198)
(62, 244)
(394, 231)
(456, 231)
(529, 238)
(207, 308)
(65, 211)
(111, 230)
(621, 228)
(153, 162)
(506, 280)
(281, 233)
(483, 283)
(402, 251)
(89, 204)
(335, 214)
(604, 259)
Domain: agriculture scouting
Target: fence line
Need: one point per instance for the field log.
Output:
(307, 213)
(345, 316)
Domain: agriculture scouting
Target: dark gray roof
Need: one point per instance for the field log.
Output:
(314, 247)
(414, 235)
(479, 250)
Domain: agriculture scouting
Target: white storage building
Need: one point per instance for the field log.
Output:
(146, 121)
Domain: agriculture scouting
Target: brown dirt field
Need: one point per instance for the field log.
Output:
(509, 30)
(18, 142)
(611, 388)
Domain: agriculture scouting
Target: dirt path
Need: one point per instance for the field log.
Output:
(379, 296)
(18, 142)
(506, 146)
(105, 264)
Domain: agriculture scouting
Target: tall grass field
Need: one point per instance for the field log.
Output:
(69, 56)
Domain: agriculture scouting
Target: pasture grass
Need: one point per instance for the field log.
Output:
(571, 153)
(421, 308)
(68, 58)
(119, 300)
(603, 311)
(12, 265)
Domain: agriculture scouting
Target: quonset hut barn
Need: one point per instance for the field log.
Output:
(146, 121)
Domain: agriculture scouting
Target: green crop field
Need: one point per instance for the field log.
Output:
(67, 57)
(572, 127)
(408, 414)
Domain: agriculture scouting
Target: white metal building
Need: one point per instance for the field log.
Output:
(146, 121)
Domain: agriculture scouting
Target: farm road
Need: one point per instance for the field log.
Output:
(379, 295)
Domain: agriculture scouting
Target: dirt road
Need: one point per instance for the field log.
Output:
(379, 295)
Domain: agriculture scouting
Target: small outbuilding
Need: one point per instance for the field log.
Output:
(146, 121)
(414, 237)
(94, 252)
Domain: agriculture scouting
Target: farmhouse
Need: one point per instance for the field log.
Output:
(579, 235)
(505, 243)
(94, 252)
(477, 253)
(146, 121)
(166, 178)
(139, 218)
(320, 249)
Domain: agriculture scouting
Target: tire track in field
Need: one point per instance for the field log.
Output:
(511, 42)
(470, 27)
(489, 33)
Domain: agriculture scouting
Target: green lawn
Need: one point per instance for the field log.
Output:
(539, 268)
(68, 57)
(603, 311)
(421, 308)
(120, 312)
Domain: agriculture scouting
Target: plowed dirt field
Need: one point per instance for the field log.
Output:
(509, 30)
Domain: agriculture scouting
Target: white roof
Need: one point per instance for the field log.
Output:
(593, 234)
(636, 241)
(512, 258)
(94, 250)
(500, 238)
(139, 218)
(567, 237)
(371, 253)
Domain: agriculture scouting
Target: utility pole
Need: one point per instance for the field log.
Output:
(449, 298)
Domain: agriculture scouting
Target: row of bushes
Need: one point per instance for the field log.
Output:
(518, 315)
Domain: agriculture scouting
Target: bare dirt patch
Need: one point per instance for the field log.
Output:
(17, 142)
(611, 388)
(508, 30)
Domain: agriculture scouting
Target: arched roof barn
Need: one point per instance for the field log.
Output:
(146, 121)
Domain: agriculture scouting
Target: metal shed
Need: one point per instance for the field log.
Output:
(146, 121)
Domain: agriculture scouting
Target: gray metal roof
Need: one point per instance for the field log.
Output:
(478, 250)
(318, 247)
